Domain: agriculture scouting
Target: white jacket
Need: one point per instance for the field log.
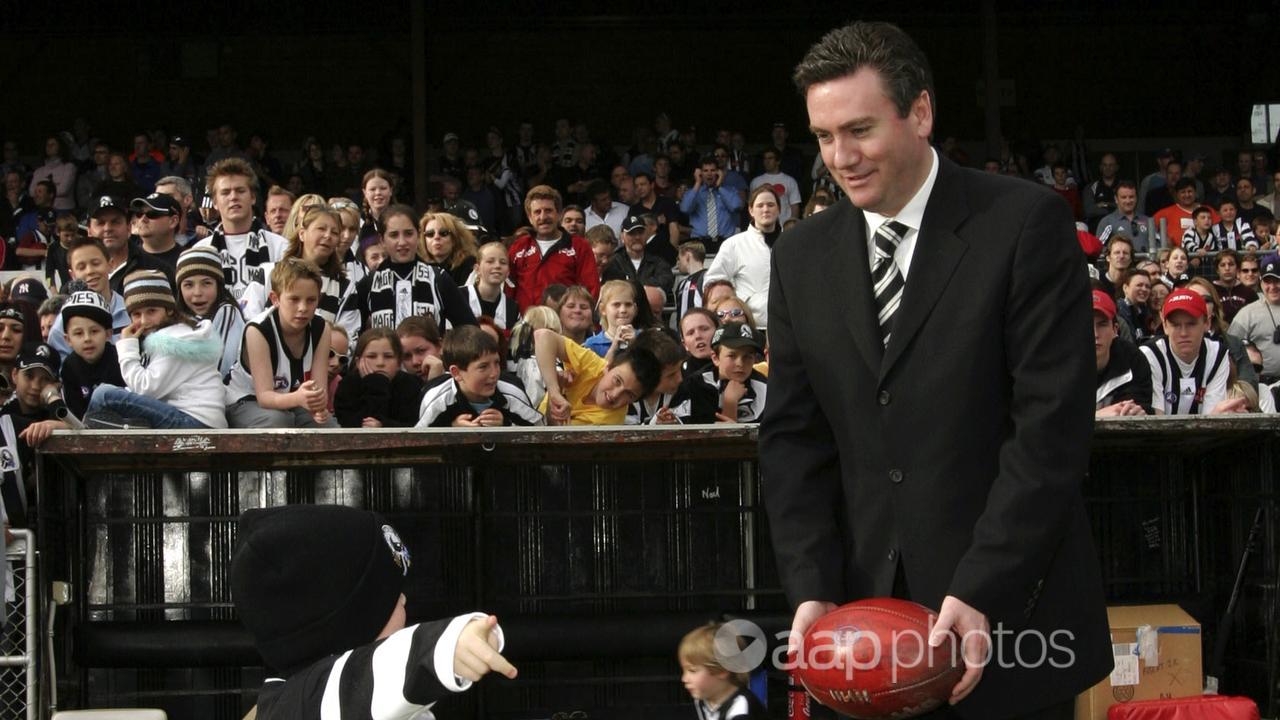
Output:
(744, 261)
(181, 370)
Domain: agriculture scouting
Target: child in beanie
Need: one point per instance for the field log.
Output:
(203, 294)
(169, 364)
(93, 361)
(320, 588)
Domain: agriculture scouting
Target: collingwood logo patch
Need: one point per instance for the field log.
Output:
(399, 553)
(7, 463)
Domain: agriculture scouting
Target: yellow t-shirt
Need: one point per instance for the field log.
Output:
(587, 368)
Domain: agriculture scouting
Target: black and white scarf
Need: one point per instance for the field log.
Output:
(402, 290)
(257, 252)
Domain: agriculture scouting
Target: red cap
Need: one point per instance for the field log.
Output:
(1103, 303)
(1188, 301)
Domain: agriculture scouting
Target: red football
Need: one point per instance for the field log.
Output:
(871, 659)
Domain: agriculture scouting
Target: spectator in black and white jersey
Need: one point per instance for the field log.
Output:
(1124, 377)
(243, 242)
(475, 394)
(1234, 294)
(690, 263)
(1239, 354)
(1231, 231)
(1199, 239)
(321, 590)
(1177, 270)
(1190, 374)
(485, 294)
(1126, 218)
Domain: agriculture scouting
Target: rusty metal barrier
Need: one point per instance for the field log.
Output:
(596, 547)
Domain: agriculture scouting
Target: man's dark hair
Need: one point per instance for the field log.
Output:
(552, 295)
(883, 47)
(1226, 200)
(1127, 184)
(1129, 275)
(597, 188)
(1184, 183)
(50, 186)
(708, 160)
(1202, 210)
(1262, 214)
(1244, 180)
(80, 241)
(642, 174)
(1227, 253)
(645, 366)
(465, 344)
(661, 341)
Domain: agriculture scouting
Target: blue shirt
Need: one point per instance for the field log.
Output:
(694, 204)
(598, 343)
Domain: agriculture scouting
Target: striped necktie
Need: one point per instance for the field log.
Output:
(886, 279)
(713, 215)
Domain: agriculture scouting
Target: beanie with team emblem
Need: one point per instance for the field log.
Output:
(313, 580)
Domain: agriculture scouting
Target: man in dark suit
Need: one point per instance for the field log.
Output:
(934, 446)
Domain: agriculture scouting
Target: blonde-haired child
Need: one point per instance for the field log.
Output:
(718, 694)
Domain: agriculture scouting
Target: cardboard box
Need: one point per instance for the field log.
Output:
(1157, 654)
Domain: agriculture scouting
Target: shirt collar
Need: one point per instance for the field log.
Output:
(912, 214)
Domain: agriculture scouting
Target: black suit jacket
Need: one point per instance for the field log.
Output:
(653, 271)
(959, 451)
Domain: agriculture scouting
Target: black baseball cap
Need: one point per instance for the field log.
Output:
(1271, 268)
(108, 203)
(40, 355)
(180, 141)
(736, 335)
(632, 223)
(158, 202)
(29, 290)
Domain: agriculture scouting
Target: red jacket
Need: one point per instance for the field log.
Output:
(568, 262)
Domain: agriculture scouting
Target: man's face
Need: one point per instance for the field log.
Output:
(1244, 163)
(100, 155)
(677, 154)
(525, 133)
(277, 212)
(13, 182)
(587, 154)
(233, 198)
(1060, 176)
(141, 144)
(1271, 289)
(710, 174)
(1126, 200)
(226, 136)
(618, 175)
(40, 196)
(1186, 332)
(877, 157)
(1104, 331)
(627, 191)
(1249, 273)
(618, 388)
(1138, 290)
(1187, 196)
(1109, 167)
(1120, 255)
(601, 203)
(450, 191)
(1244, 190)
(770, 159)
(355, 155)
(779, 136)
(644, 189)
(574, 222)
(1275, 183)
(1172, 174)
(544, 217)
(1228, 212)
(634, 241)
(110, 227)
(155, 225)
(662, 167)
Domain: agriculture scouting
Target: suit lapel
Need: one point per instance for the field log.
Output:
(937, 253)
(847, 260)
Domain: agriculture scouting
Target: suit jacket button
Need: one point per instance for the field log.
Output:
(893, 555)
(885, 397)
(895, 475)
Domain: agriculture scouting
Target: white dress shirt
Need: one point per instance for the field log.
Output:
(912, 215)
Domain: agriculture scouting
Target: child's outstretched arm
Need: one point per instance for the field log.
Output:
(476, 653)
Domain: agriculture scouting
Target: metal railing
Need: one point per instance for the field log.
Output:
(19, 637)
(570, 535)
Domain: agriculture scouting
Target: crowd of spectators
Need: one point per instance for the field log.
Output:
(552, 281)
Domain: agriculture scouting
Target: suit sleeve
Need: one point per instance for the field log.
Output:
(799, 464)
(1045, 456)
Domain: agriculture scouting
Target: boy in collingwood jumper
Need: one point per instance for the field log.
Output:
(93, 360)
(320, 589)
(475, 395)
(282, 377)
(717, 693)
(169, 363)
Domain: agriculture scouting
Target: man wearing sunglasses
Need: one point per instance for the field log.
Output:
(156, 219)
(109, 222)
(1258, 323)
